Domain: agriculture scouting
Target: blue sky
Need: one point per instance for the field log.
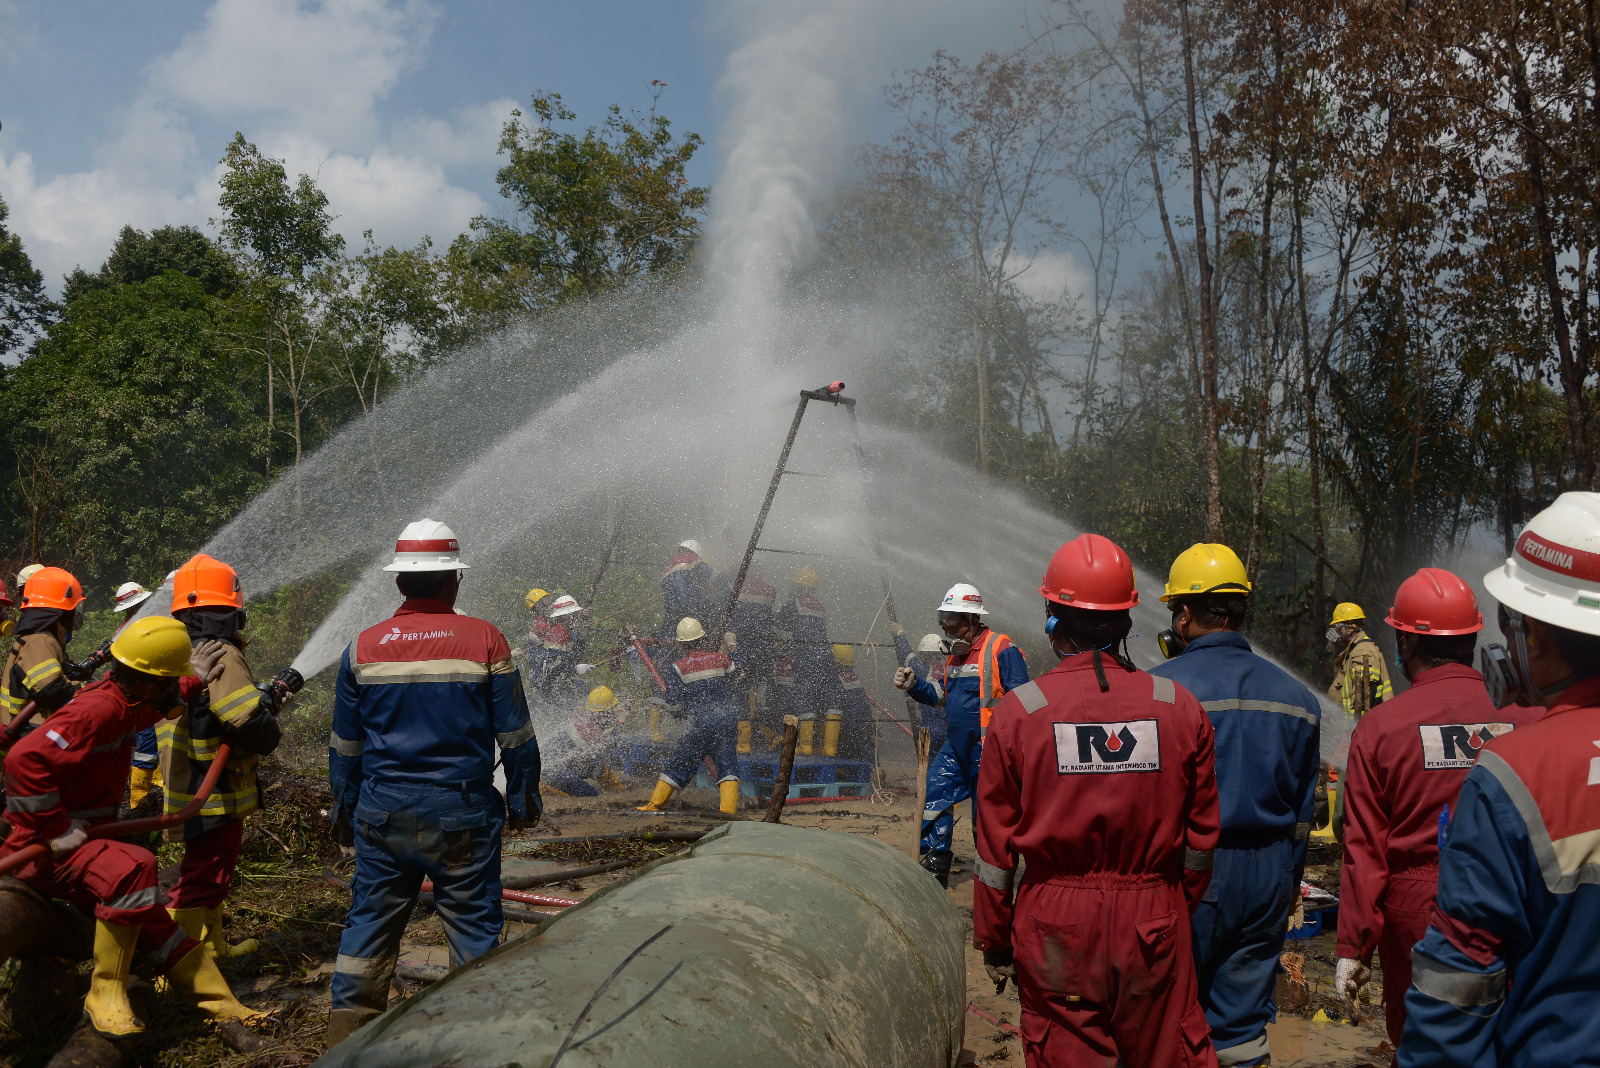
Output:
(116, 113)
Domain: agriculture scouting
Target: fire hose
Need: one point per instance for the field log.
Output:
(14, 729)
(895, 720)
(638, 645)
(124, 828)
(522, 897)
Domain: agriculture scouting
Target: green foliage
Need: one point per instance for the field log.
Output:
(285, 230)
(24, 307)
(138, 257)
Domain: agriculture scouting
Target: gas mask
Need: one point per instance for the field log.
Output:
(1332, 634)
(955, 646)
(1506, 673)
(7, 626)
(1171, 643)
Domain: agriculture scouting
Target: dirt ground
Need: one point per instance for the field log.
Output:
(287, 896)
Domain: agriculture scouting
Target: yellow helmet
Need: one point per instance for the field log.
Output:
(845, 654)
(601, 699)
(807, 577)
(535, 595)
(1347, 612)
(155, 645)
(1203, 568)
(689, 629)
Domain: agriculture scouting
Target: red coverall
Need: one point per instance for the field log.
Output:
(1408, 759)
(75, 766)
(1111, 798)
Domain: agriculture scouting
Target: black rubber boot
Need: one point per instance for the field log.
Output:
(938, 864)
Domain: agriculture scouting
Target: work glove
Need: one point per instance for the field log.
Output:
(583, 669)
(896, 629)
(60, 847)
(903, 678)
(1001, 964)
(1349, 979)
(1297, 912)
(207, 660)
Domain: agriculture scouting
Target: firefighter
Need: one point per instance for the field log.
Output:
(421, 703)
(52, 609)
(683, 589)
(1268, 735)
(784, 701)
(559, 675)
(146, 770)
(1408, 759)
(751, 620)
(1360, 676)
(1100, 778)
(208, 600)
(65, 780)
(980, 667)
(806, 618)
(927, 662)
(702, 685)
(847, 731)
(1507, 973)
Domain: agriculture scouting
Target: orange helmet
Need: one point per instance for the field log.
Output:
(52, 587)
(204, 582)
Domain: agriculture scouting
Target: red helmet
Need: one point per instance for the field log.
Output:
(5, 598)
(1091, 572)
(1434, 601)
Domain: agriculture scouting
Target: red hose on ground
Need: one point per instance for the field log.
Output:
(522, 897)
(892, 717)
(123, 828)
(651, 664)
(13, 730)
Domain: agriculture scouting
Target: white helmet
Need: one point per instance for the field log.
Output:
(930, 643)
(1553, 574)
(563, 606)
(963, 598)
(692, 545)
(130, 595)
(427, 545)
(27, 573)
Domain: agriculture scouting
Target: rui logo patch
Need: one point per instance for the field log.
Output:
(1103, 748)
(1456, 745)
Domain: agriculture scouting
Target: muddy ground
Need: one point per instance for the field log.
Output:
(287, 897)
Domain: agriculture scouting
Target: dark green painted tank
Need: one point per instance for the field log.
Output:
(761, 945)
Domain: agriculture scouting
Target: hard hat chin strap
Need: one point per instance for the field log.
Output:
(1536, 695)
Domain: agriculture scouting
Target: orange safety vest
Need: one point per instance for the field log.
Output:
(990, 688)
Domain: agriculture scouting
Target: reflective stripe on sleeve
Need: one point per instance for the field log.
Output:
(1463, 989)
(40, 672)
(345, 747)
(1031, 696)
(242, 700)
(995, 877)
(1197, 859)
(516, 737)
(34, 803)
(1235, 704)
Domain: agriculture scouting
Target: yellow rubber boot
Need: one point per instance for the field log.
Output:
(830, 735)
(662, 794)
(139, 783)
(196, 977)
(609, 779)
(193, 922)
(802, 745)
(107, 1004)
(744, 736)
(729, 790)
(219, 945)
(655, 726)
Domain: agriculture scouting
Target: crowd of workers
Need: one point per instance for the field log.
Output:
(1141, 837)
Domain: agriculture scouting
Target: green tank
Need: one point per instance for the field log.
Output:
(761, 944)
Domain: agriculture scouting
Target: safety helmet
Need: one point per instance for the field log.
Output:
(427, 545)
(807, 577)
(601, 699)
(1206, 568)
(5, 597)
(930, 643)
(1092, 572)
(203, 582)
(1346, 612)
(130, 595)
(27, 573)
(845, 655)
(1553, 574)
(689, 629)
(535, 595)
(963, 598)
(155, 645)
(52, 587)
(1434, 601)
(564, 605)
(692, 545)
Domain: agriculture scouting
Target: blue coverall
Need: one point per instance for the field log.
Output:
(932, 716)
(815, 671)
(953, 771)
(421, 703)
(1268, 737)
(1508, 974)
(683, 593)
(848, 700)
(701, 686)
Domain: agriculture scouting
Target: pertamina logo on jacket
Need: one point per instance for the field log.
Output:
(1456, 745)
(1104, 748)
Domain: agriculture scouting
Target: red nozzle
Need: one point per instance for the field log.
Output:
(836, 387)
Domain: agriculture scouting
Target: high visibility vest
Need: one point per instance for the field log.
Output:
(990, 688)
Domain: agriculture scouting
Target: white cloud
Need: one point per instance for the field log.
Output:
(1053, 275)
(301, 78)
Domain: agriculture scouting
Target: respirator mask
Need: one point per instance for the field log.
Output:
(955, 646)
(1332, 634)
(1506, 673)
(7, 626)
(1169, 641)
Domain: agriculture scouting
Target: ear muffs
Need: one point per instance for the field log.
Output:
(1050, 624)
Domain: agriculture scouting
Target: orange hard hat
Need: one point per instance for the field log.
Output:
(1435, 601)
(205, 581)
(52, 587)
(1092, 572)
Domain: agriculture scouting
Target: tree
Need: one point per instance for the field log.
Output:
(138, 257)
(25, 309)
(588, 211)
